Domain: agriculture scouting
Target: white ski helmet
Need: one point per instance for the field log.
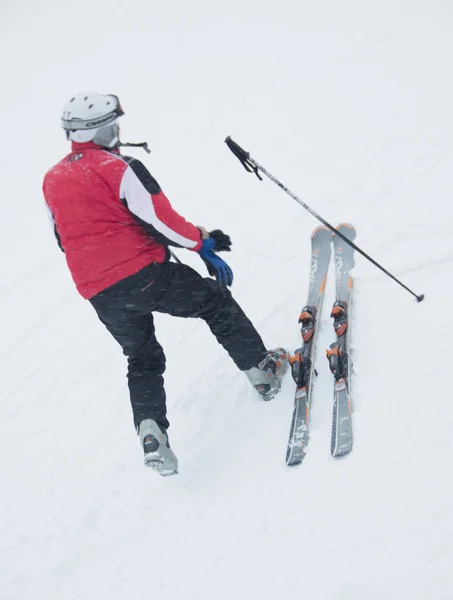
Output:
(92, 117)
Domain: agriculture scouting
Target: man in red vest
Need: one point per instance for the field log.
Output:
(115, 226)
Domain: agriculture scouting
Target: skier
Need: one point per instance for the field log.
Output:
(115, 225)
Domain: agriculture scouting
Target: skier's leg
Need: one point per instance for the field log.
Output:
(146, 361)
(146, 364)
(180, 291)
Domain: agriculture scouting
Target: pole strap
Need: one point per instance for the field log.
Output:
(243, 156)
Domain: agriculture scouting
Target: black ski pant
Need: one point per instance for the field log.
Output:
(125, 309)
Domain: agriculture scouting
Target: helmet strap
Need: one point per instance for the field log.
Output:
(143, 145)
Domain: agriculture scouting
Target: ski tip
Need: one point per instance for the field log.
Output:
(347, 230)
(420, 298)
(320, 228)
(347, 225)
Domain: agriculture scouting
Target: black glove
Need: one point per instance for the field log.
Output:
(222, 241)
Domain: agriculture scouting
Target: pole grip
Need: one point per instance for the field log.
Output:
(243, 156)
(236, 149)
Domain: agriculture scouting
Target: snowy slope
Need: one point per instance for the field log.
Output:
(350, 105)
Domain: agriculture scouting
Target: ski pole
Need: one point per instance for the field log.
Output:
(252, 166)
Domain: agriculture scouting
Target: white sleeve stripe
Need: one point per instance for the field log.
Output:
(140, 203)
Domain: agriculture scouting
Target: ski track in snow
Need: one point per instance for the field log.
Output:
(349, 104)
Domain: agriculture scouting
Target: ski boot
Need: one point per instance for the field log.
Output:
(266, 378)
(158, 454)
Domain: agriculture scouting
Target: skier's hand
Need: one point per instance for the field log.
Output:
(203, 232)
(221, 239)
(217, 267)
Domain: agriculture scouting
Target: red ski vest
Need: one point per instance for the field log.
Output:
(110, 217)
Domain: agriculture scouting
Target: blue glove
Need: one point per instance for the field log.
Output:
(215, 265)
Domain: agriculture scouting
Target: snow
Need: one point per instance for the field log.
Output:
(349, 104)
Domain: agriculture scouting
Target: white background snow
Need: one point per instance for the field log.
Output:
(350, 105)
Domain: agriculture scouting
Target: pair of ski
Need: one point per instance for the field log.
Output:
(302, 363)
